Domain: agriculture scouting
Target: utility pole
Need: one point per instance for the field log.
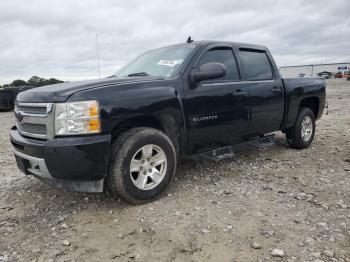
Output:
(98, 58)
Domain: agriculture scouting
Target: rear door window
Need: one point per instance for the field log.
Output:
(256, 65)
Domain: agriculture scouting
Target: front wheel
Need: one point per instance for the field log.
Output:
(302, 133)
(143, 163)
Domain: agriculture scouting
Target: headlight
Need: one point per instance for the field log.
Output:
(75, 118)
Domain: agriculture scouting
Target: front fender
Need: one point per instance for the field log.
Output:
(159, 100)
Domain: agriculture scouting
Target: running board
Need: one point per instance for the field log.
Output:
(263, 142)
(229, 151)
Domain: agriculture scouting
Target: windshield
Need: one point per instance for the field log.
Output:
(165, 62)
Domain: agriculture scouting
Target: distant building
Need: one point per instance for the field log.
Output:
(316, 70)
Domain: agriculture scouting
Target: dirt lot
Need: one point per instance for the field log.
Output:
(238, 209)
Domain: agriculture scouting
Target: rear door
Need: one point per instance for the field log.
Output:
(217, 111)
(265, 88)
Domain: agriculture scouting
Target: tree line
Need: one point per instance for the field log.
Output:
(35, 81)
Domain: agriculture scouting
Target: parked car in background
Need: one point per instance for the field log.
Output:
(325, 74)
(338, 75)
(8, 96)
(125, 133)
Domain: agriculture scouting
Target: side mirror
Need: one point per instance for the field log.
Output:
(208, 71)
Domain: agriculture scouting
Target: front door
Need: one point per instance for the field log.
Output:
(217, 111)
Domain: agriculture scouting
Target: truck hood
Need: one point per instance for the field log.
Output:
(61, 92)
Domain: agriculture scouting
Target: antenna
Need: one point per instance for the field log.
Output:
(189, 40)
(98, 58)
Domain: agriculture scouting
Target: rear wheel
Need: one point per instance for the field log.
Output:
(143, 163)
(302, 133)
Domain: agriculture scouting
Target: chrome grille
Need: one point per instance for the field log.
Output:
(34, 119)
(33, 128)
(32, 109)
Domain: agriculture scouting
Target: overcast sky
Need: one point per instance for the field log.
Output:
(57, 38)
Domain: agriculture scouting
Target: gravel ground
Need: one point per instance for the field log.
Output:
(265, 204)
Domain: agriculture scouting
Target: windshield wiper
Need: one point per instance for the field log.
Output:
(139, 74)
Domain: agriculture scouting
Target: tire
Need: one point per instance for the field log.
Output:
(298, 136)
(148, 148)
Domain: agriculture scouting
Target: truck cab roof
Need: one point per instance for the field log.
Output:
(234, 44)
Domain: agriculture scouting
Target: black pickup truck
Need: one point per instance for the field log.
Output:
(124, 133)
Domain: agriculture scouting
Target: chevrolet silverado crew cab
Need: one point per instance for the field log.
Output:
(124, 133)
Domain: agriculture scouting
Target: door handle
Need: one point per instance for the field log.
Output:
(276, 90)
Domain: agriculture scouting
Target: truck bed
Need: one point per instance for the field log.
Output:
(303, 89)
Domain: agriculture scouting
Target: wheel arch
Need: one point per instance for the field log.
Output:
(313, 103)
(163, 122)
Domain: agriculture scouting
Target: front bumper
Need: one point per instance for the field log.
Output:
(72, 163)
